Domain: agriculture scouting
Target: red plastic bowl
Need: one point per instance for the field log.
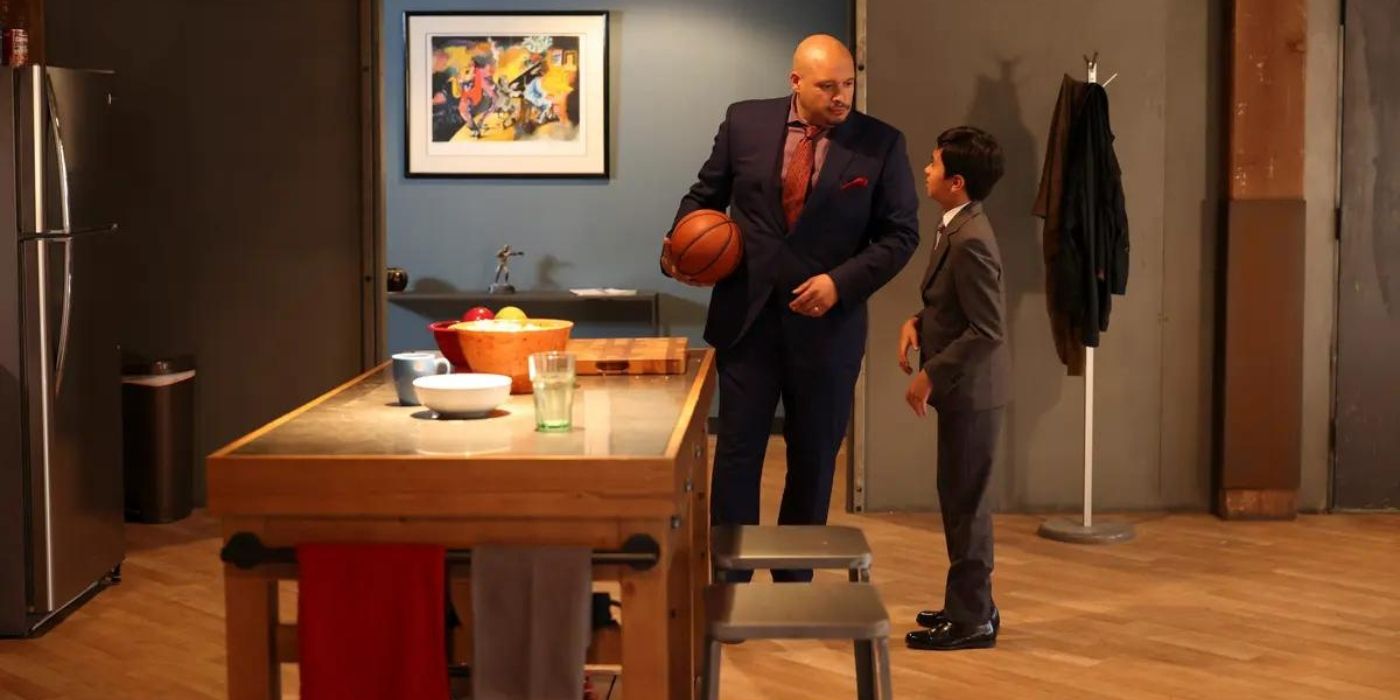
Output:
(448, 343)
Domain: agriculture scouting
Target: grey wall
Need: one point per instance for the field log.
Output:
(998, 64)
(675, 66)
(239, 142)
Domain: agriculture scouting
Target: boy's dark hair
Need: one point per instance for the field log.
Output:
(973, 154)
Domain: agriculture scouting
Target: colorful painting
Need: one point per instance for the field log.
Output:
(515, 94)
(505, 88)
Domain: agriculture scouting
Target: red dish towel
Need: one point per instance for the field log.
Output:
(370, 622)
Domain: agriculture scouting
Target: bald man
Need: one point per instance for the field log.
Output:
(825, 198)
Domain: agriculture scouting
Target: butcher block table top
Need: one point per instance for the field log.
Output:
(629, 355)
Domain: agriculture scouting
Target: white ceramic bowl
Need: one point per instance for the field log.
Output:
(462, 395)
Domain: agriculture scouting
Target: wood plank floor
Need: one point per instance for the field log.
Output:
(1194, 608)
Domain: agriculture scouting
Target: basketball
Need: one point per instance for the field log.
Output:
(706, 246)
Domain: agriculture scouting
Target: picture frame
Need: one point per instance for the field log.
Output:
(506, 94)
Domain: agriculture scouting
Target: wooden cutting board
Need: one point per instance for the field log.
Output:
(629, 355)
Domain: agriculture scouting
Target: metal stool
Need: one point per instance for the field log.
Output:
(800, 611)
(750, 547)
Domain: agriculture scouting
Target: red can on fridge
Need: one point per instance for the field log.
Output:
(16, 47)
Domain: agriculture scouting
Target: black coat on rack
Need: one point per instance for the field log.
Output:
(1093, 261)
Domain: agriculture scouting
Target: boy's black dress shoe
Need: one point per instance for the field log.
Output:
(951, 636)
(934, 618)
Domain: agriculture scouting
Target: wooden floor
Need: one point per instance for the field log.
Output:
(1194, 608)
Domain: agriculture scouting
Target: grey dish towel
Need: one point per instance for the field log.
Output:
(530, 621)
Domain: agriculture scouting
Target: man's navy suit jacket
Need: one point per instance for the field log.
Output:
(859, 224)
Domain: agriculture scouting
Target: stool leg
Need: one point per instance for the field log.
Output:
(865, 670)
(709, 686)
(882, 652)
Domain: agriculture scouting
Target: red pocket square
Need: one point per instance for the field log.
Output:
(857, 182)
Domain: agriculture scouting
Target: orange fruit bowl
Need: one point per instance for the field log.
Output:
(503, 346)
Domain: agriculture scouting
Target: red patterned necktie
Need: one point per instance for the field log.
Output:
(799, 174)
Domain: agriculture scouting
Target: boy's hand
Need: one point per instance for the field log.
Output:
(908, 340)
(918, 392)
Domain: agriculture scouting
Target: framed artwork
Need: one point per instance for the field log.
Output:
(506, 94)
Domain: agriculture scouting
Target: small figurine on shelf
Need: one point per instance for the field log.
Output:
(501, 284)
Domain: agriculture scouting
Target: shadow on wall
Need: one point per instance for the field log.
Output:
(545, 270)
(433, 285)
(1036, 371)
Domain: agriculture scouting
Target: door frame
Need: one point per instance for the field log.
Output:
(373, 343)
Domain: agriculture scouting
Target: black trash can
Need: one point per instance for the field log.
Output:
(158, 438)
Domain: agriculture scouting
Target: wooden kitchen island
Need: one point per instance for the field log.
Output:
(354, 466)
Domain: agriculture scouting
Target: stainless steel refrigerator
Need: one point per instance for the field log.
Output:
(61, 504)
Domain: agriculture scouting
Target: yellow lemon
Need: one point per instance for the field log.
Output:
(509, 313)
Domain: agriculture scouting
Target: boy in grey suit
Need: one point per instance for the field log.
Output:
(965, 376)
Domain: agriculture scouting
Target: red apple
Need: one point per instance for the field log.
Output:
(478, 313)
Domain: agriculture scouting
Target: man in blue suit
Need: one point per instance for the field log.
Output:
(825, 199)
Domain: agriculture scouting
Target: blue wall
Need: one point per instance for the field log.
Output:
(675, 66)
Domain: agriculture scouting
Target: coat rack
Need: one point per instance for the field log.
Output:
(1087, 531)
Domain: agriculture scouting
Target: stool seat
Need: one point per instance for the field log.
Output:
(749, 547)
(740, 612)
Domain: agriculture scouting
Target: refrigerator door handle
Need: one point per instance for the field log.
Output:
(57, 126)
(66, 223)
(64, 317)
